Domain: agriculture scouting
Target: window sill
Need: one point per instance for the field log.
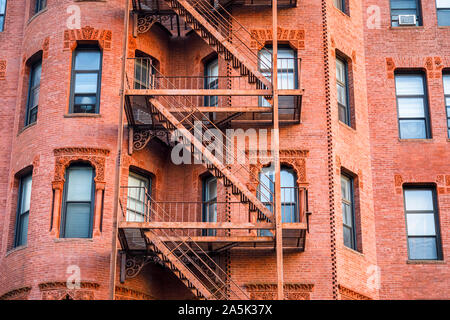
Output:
(354, 251)
(26, 127)
(347, 127)
(15, 250)
(345, 14)
(407, 28)
(37, 15)
(57, 240)
(82, 115)
(416, 140)
(425, 262)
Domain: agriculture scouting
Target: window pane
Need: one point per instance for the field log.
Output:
(421, 224)
(403, 4)
(36, 74)
(80, 183)
(422, 248)
(78, 220)
(443, 17)
(342, 94)
(2, 6)
(340, 70)
(443, 3)
(347, 214)
(87, 60)
(34, 97)
(26, 194)
(409, 84)
(411, 108)
(266, 188)
(348, 237)
(288, 213)
(412, 129)
(418, 200)
(22, 230)
(86, 82)
(2, 19)
(346, 188)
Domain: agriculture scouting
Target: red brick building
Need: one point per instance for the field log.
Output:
(93, 205)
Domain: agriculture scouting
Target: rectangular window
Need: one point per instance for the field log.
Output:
(447, 99)
(348, 211)
(422, 223)
(412, 104)
(341, 5)
(33, 93)
(23, 211)
(2, 14)
(343, 91)
(209, 204)
(40, 5)
(443, 12)
(408, 8)
(138, 200)
(78, 205)
(212, 82)
(86, 80)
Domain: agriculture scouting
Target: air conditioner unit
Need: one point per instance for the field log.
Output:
(407, 20)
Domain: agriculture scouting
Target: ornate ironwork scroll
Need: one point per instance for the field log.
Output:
(142, 137)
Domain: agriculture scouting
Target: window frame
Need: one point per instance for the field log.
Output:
(428, 131)
(437, 14)
(206, 203)
(148, 186)
(39, 5)
(341, 5)
(437, 236)
(3, 15)
(31, 89)
(19, 214)
(351, 180)
(447, 96)
(210, 85)
(62, 233)
(348, 119)
(419, 19)
(92, 48)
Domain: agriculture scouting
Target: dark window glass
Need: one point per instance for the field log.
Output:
(23, 211)
(33, 93)
(405, 7)
(342, 91)
(412, 106)
(138, 197)
(289, 194)
(78, 202)
(341, 5)
(447, 99)
(443, 12)
(86, 80)
(211, 81)
(2, 14)
(40, 5)
(348, 211)
(209, 204)
(422, 223)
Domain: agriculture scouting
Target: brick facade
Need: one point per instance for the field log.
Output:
(319, 149)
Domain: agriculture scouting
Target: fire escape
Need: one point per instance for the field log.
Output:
(164, 105)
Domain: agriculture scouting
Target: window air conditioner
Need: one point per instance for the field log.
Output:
(407, 20)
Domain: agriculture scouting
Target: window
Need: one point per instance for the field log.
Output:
(211, 81)
(443, 12)
(209, 204)
(144, 71)
(86, 80)
(343, 91)
(341, 5)
(137, 203)
(23, 211)
(446, 78)
(422, 223)
(412, 106)
(40, 5)
(33, 93)
(78, 204)
(287, 72)
(348, 211)
(2, 14)
(405, 7)
(289, 194)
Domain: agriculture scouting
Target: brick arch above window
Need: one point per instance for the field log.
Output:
(72, 36)
(294, 37)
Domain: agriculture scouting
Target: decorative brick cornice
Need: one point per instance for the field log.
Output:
(348, 294)
(2, 69)
(295, 38)
(17, 294)
(268, 291)
(58, 291)
(103, 37)
(63, 285)
(433, 65)
(124, 293)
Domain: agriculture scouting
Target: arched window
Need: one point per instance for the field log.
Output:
(78, 202)
(145, 67)
(289, 194)
(86, 79)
